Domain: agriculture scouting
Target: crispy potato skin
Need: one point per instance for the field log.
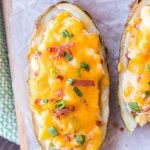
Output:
(126, 116)
(40, 26)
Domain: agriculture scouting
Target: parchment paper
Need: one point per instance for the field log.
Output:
(110, 17)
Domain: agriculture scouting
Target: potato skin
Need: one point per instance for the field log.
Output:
(126, 116)
(39, 28)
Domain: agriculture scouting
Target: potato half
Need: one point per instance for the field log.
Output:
(37, 98)
(131, 108)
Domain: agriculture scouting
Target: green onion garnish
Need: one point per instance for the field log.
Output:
(80, 139)
(147, 93)
(77, 91)
(79, 72)
(148, 67)
(60, 104)
(44, 101)
(53, 132)
(70, 81)
(85, 66)
(68, 56)
(66, 34)
(134, 106)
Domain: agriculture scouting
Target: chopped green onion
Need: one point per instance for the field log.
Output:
(70, 81)
(60, 104)
(53, 132)
(79, 72)
(80, 139)
(77, 91)
(148, 67)
(68, 56)
(44, 101)
(85, 66)
(66, 34)
(134, 106)
(147, 93)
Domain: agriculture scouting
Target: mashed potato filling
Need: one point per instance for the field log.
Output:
(65, 72)
(136, 83)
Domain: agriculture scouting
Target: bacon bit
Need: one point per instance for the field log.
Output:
(146, 110)
(65, 47)
(71, 108)
(147, 113)
(36, 74)
(59, 53)
(63, 111)
(60, 77)
(69, 51)
(55, 114)
(52, 99)
(61, 49)
(37, 102)
(102, 61)
(68, 138)
(132, 4)
(133, 113)
(98, 123)
(58, 113)
(139, 78)
(59, 92)
(37, 55)
(83, 83)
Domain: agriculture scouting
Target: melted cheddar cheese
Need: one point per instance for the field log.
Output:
(136, 83)
(49, 73)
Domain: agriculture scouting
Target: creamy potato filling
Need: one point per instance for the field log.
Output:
(65, 72)
(136, 78)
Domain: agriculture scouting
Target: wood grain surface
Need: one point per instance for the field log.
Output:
(7, 10)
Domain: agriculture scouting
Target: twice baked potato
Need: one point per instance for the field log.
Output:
(134, 68)
(68, 80)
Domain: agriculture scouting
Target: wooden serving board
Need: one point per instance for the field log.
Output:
(7, 10)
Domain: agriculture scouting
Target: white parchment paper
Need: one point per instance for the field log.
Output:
(110, 17)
